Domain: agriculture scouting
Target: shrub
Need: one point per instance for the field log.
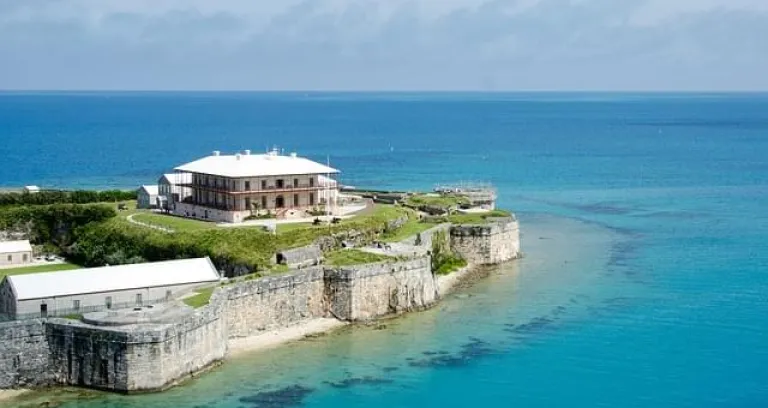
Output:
(48, 197)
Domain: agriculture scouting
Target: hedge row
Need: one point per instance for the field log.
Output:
(48, 197)
(57, 224)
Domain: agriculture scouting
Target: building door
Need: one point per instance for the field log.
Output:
(279, 202)
(43, 310)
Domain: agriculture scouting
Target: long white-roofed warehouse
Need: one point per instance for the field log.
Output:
(51, 294)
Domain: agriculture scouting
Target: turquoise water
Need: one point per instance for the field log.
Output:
(644, 226)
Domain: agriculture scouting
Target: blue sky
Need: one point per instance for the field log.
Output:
(384, 44)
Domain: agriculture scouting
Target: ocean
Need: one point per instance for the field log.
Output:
(644, 228)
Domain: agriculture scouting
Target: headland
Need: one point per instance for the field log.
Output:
(280, 281)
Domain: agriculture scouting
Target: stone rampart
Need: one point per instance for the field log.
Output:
(492, 243)
(24, 356)
(154, 355)
(274, 301)
(365, 292)
(136, 358)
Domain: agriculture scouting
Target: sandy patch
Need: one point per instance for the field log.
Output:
(278, 337)
(6, 395)
(446, 283)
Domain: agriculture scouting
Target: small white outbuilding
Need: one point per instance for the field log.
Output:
(50, 294)
(147, 197)
(15, 253)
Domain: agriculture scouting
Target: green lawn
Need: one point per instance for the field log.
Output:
(37, 269)
(177, 224)
(477, 218)
(442, 201)
(285, 227)
(409, 229)
(201, 299)
(346, 257)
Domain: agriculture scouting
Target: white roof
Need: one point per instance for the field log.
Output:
(112, 278)
(177, 178)
(32, 188)
(255, 165)
(15, 246)
(151, 190)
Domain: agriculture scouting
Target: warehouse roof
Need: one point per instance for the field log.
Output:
(254, 165)
(113, 278)
(15, 246)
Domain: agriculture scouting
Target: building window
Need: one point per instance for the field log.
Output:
(76, 305)
(247, 186)
(296, 183)
(25, 257)
(311, 198)
(263, 184)
(168, 295)
(138, 299)
(279, 202)
(10, 258)
(247, 203)
(279, 183)
(311, 181)
(108, 302)
(263, 202)
(43, 310)
(295, 200)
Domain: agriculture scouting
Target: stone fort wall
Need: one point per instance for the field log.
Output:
(496, 242)
(369, 291)
(150, 357)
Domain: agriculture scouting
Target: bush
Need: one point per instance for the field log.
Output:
(57, 224)
(444, 261)
(48, 197)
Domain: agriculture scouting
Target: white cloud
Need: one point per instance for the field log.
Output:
(353, 44)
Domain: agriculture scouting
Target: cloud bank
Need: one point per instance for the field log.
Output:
(384, 44)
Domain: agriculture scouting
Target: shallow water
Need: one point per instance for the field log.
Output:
(643, 218)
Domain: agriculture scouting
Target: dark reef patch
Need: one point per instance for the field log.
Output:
(359, 381)
(469, 351)
(537, 324)
(289, 396)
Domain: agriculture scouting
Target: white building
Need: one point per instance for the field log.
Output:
(229, 188)
(15, 253)
(62, 293)
(31, 189)
(147, 197)
(171, 189)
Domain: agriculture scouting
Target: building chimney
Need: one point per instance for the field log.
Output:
(216, 153)
(247, 152)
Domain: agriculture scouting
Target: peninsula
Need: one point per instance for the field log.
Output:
(231, 253)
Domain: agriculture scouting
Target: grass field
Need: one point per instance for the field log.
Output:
(409, 229)
(346, 257)
(201, 299)
(477, 218)
(37, 269)
(178, 224)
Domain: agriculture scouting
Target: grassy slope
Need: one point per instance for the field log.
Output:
(37, 269)
(346, 257)
(479, 218)
(409, 229)
(178, 224)
(201, 299)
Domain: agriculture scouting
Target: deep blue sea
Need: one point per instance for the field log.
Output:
(644, 219)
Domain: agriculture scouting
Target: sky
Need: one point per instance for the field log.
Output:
(388, 45)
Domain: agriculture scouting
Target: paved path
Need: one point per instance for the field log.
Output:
(144, 224)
